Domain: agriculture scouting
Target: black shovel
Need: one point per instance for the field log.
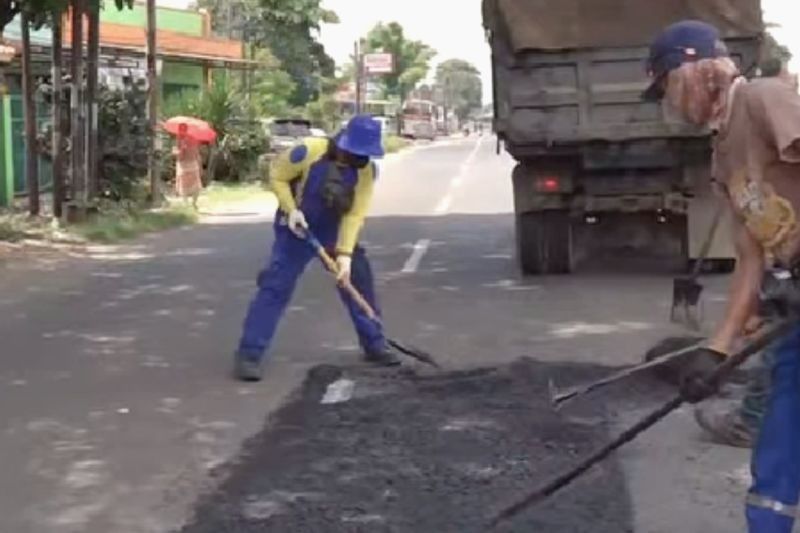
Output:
(330, 265)
(686, 291)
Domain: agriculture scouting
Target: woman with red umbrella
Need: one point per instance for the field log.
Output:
(190, 132)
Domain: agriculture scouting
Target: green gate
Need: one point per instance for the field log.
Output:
(6, 163)
(18, 146)
(12, 149)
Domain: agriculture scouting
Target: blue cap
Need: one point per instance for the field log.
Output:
(362, 136)
(689, 40)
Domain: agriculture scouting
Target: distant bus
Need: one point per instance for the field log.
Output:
(385, 111)
(418, 119)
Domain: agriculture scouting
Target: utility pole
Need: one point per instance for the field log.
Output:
(245, 54)
(446, 100)
(31, 138)
(58, 116)
(359, 64)
(78, 173)
(93, 53)
(152, 103)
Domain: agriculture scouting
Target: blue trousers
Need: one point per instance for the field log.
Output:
(773, 498)
(276, 283)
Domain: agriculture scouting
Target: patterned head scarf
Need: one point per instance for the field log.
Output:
(700, 90)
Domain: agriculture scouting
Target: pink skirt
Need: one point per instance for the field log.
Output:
(188, 182)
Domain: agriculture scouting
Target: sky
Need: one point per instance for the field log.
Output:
(786, 13)
(451, 27)
(454, 29)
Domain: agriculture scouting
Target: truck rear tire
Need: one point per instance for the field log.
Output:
(544, 242)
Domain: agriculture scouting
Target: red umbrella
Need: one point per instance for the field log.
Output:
(199, 130)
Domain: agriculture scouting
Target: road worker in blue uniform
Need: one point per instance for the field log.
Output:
(756, 166)
(323, 186)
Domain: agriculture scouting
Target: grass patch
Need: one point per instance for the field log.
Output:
(10, 232)
(119, 225)
(225, 194)
(393, 143)
(120, 222)
(18, 226)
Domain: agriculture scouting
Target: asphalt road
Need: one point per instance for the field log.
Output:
(117, 412)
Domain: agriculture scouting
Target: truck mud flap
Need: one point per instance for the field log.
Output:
(544, 242)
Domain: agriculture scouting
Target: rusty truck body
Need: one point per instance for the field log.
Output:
(598, 168)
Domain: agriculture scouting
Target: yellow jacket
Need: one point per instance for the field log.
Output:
(294, 165)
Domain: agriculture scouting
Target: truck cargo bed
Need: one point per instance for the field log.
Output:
(572, 97)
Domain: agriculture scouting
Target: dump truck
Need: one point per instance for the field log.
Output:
(599, 170)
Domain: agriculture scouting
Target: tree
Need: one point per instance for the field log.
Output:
(9, 9)
(31, 139)
(124, 147)
(288, 28)
(39, 12)
(33, 13)
(83, 121)
(411, 58)
(461, 86)
(272, 92)
(272, 88)
(324, 113)
(44, 12)
(59, 106)
(774, 56)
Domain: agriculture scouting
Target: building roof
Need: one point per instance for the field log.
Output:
(169, 42)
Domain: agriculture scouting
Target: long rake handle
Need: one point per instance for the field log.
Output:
(570, 394)
(722, 372)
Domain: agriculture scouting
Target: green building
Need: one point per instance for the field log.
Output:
(188, 54)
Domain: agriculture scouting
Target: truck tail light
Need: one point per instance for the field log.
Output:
(548, 184)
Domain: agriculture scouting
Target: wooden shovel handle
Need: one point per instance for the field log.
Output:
(331, 265)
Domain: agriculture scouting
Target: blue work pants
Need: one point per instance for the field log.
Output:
(276, 284)
(772, 501)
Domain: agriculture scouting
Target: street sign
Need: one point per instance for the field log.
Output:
(378, 63)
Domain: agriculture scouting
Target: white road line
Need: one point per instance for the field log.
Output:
(420, 249)
(444, 205)
(458, 180)
(339, 391)
(442, 208)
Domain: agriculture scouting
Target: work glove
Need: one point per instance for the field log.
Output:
(297, 223)
(344, 264)
(697, 383)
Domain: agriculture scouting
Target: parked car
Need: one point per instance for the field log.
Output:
(284, 133)
(287, 132)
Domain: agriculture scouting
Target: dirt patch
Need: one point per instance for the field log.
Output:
(424, 455)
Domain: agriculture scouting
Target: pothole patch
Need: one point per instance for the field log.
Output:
(433, 454)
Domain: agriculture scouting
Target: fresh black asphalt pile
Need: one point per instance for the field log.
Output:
(418, 454)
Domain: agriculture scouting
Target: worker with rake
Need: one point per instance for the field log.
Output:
(757, 165)
(324, 188)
